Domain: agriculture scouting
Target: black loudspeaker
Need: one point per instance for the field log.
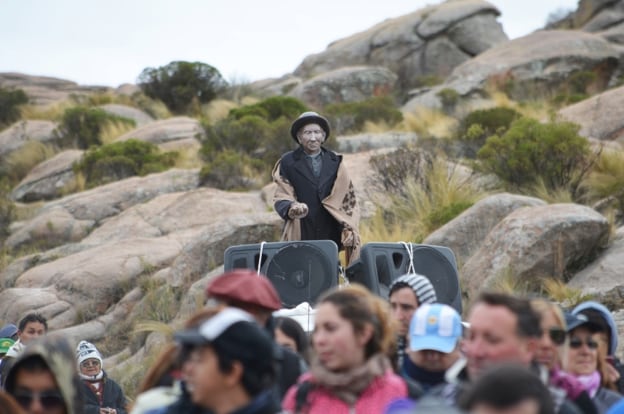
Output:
(300, 271)
(380, 263)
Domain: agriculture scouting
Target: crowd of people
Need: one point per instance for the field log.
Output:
(366, 354)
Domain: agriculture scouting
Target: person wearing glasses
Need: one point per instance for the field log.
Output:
(314, 194)
(581, 361)
(44, 379)
(102, 395)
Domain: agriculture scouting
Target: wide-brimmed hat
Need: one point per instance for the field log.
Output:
(309, 118)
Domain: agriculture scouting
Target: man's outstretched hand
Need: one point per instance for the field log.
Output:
(298, 210)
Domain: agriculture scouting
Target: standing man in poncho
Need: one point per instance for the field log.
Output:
(315, 195)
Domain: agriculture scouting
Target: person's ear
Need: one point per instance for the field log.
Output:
(235, 375)
(365, 334)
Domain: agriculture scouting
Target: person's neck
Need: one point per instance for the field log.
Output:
(230, 401)
(312, 155)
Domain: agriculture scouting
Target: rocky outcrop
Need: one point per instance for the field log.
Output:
(48, 179)
(604, 275)
(601, 117)
(430, 41)
(603, 17)
(536, 242)
(18, 134)
(466, 233)
(166, 131)
(349, 84)
(532, 66)
(139, 117)
(44, 90)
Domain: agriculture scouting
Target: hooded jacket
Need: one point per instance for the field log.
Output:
(59, 357)
(606, 314)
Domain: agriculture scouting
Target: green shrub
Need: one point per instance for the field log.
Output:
(605, 182)
(478, 125)
(448, 98)
(82, 127)
(553, 152)
(180, 85)
(348, 117)
(443, 214)
(272, 109)
(231, 170)
(10, 102)
(112, 162)
(260, 131)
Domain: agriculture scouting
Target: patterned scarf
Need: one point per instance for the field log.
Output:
(349, 385)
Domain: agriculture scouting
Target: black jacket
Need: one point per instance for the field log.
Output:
(112, 397)
(318, 224)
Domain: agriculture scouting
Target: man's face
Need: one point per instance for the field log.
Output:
(403, 303)
(493, 338)
(37, 392)
(434, 361)
(311, 137)
(526, 406)
(32, 331)
(204, 379)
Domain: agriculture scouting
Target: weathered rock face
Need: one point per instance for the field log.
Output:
(534, 242)
(18, 134)
(138, 116)
(430, 41)
(47, 180)
(166, 131)
(466, 233)
(346, 85)
(604, 275)
(530, 67)
(603, 17)
(93, 206)
(43, 90)
(601, 117)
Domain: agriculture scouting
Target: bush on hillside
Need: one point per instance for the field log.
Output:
(350, 117)
(260, 131)
(10, 102)
(271, 109)
(113, 162)
(180, 84)
(530, 151)
(478, 125)
(82, 126)
(231, 170)
(7, 210)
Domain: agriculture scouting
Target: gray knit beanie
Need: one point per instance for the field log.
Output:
(422, 287)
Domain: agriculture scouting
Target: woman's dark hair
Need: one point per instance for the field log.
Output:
(292, 329)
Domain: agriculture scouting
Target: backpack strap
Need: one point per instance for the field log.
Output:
(301, 396)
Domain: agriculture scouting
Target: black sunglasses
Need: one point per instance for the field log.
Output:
(578, 342)
(50, 400)
(557, 335)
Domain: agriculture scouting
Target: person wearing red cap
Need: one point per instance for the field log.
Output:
(314, 194)
(247, 290)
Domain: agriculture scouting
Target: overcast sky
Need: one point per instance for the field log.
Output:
(109, 42)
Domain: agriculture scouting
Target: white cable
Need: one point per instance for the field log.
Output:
(410, 254)
(260, 257)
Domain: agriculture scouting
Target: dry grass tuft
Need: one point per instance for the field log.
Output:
(22, 161)
(429, 122)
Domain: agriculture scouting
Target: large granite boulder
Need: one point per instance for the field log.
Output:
(532, 66)
(536, 242)
(17, 135)
(139, 117)
(465, 234)
(44, 90)
(603, 17)
(348, 84)
(430, 41)
(48, 179)
(601, 117)
(604, 275)
(166, 131)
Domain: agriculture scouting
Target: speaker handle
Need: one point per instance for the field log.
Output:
(410, 254)
(262, 243)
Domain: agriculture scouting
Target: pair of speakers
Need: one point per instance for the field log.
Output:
(301, 271)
